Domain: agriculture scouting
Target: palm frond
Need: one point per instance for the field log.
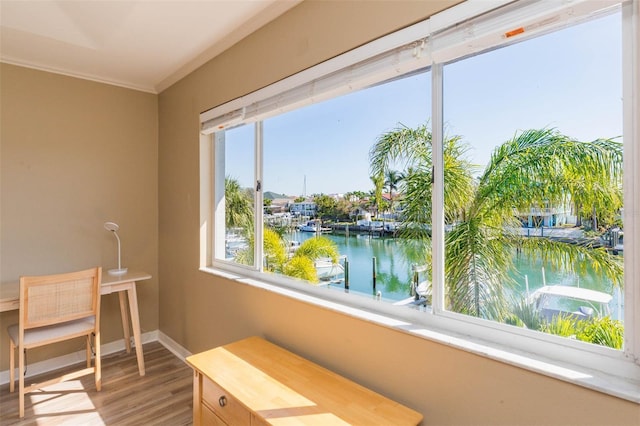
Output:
(275, 252)
(476, 270)
(301, 267)
(603, 331)
(238, 207)
(318, 247)
(535, 168)
(573, 257)
(401, 145)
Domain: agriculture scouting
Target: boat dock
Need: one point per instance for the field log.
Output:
(375, 231)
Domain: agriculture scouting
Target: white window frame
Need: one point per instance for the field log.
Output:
(433, 43)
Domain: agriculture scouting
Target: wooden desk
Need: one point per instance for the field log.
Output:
(254, 382)
(10, 300)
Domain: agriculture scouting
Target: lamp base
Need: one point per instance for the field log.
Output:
(118, 271)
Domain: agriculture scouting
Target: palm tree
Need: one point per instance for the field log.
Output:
(318, 247)
(275, 252)
(592, 192)
(300, 265)
(412, 148)
(392, 179)
(378, 183)
(274, 249)
(238, 206)
(534, 167)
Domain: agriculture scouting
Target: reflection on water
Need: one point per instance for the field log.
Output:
(393, 268)
(533, 272)
(394, 258)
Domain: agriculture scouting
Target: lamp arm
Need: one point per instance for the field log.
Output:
(118, 238)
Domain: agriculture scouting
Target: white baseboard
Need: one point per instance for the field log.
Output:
(80, 356)
(173, 346)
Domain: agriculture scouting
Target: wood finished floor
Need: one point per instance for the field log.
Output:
(162, 397)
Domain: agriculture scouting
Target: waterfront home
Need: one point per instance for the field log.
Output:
(304, 208)
(279, 205)
(557, 215)
(360, 213)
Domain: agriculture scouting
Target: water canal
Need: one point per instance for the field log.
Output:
(394, 260)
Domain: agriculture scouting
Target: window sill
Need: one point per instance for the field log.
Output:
(627, 388)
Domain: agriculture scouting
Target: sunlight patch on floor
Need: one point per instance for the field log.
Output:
(65, 402)
(86, 419)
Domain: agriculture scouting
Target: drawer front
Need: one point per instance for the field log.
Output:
(224, 405)
(209, 418)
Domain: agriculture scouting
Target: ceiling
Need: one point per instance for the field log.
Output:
(145, 45)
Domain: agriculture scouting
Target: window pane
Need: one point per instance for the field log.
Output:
(321, 205)
(533, 183)
(239, 194)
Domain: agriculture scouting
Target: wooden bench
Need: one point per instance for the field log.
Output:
(254, 382)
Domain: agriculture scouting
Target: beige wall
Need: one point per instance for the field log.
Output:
(200, 311)
(74, 154)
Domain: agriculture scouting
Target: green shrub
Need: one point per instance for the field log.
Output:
(603, 331)
(301, 267)
(564, 326)
(524, 314)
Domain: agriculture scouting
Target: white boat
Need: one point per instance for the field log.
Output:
(309, 227)
(292, 247)
(327, 270)
(580, 303)
(314, 226)
(420, 288)
(233, 244)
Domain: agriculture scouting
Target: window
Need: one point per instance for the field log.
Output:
(318, 156)
(236, 146)
(466, 174)
(533, 153)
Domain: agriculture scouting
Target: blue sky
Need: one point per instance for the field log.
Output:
(569, 80)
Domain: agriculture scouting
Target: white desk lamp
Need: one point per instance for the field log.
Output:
(113, 227)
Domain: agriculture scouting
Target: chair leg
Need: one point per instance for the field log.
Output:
(21, 379)
(98, 362)
(12, 366)
(88, 350)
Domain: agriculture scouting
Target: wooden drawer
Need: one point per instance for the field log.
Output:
(224, 405)
(209, 418)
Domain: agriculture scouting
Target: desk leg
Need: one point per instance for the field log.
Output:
(135, 322)
(125, 320)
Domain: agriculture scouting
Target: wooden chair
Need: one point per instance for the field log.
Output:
(54, 308)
